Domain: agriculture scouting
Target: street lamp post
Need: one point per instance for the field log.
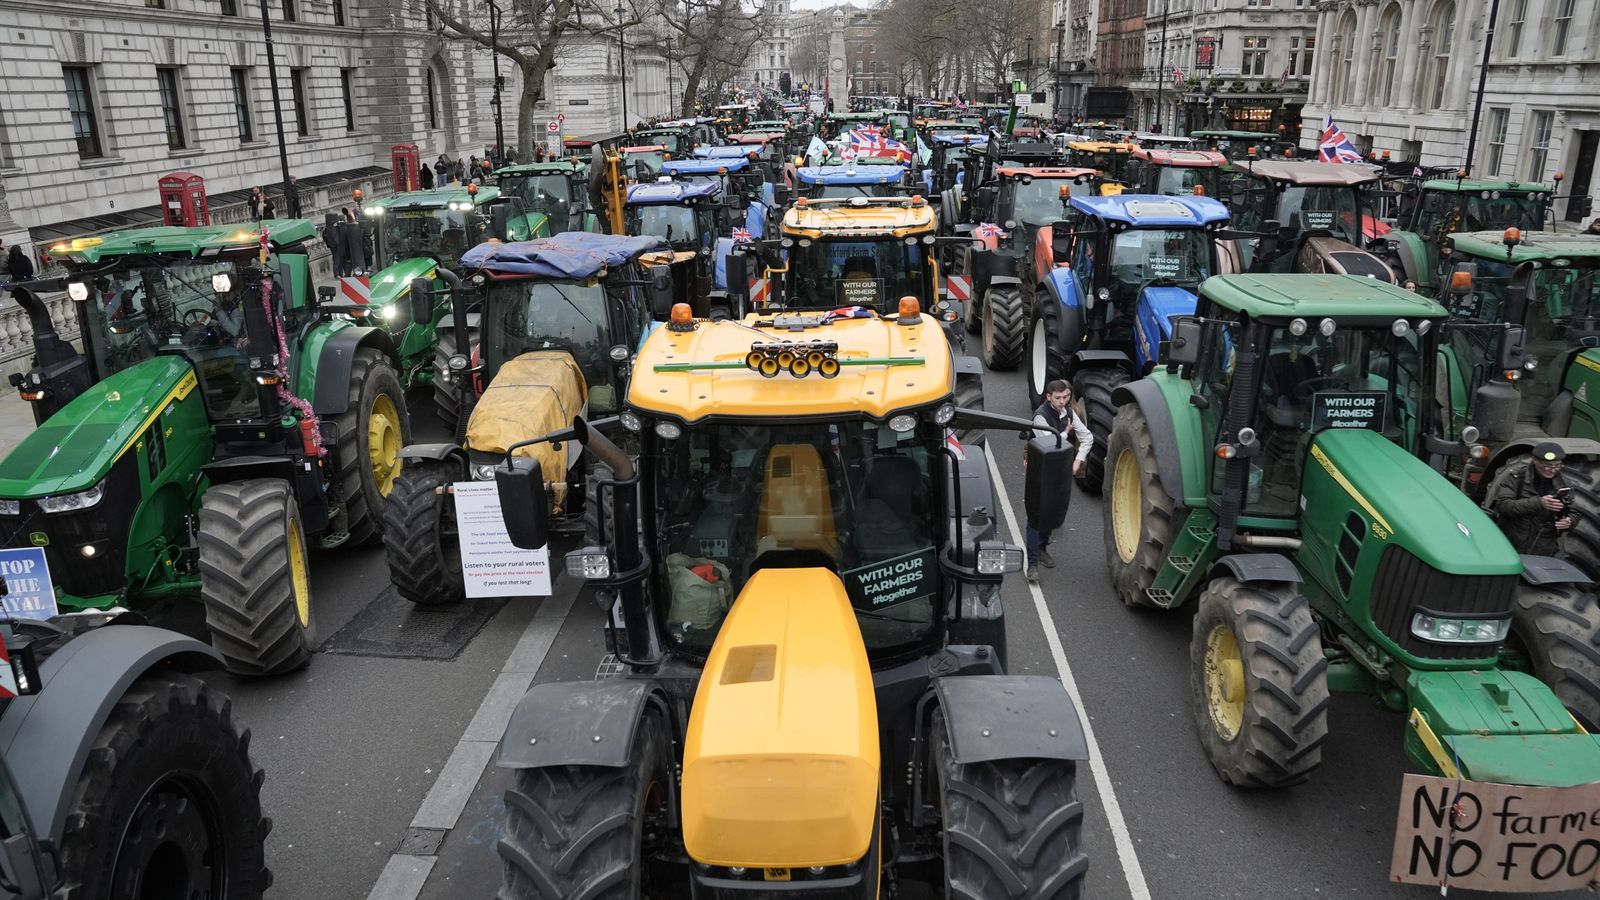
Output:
(494, 51)
(1161, 66)
(277, 106)
(1055, 100)
(1477, 103)
(622, 64)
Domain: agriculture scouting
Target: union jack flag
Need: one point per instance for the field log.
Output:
(989, 230)
(741, 236)
(871, 143)
(1335, 146)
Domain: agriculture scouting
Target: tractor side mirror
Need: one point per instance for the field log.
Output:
(500, 221)
(524, 503)
(1184, 348)
(660, 291)
(421, 300)
(1511, 355)
(1238, 193)
(781, 194)
(736, 269)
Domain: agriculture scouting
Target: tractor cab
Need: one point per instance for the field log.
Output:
(850, 180)
(674, 139)
(746, 200)
(858, 251)
(684, 216)
(1110, 157)
(953, 152)
(1436, 209)
(1238, 146)
(1323, 214)
(1178, 171)
(1148, 141)
(554, 189)
(643, 163)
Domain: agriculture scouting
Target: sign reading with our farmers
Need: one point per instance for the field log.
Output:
(1482, 836)
(491, 565)
(1349, 409)
(30, 594)
(860, 291)
(892, 581)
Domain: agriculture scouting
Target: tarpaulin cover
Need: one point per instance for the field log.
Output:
(704, 166)
(571, 255)
(671, 192)
(532, 395)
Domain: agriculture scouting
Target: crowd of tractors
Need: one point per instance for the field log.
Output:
(719, 368)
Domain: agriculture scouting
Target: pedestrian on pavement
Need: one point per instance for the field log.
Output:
(441, 169)
(255, 204)
(425, 178)
(18, 266)
(461, 171)
(1057, 415)
(333, 225)
(291, 198)
(1594, 226)
(1531, 501)
(510, 157)
(487, 173)
(268, 209)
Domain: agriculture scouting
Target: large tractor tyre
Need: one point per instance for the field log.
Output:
(974, 311)
(1012, 827)
(1581, 543)
(1005, 327)
(169, 802)
(368, 465)
(1557, 628)
(1138, 513)
(1259, 683)
(969, 395)
(1093, 388)
(580, 831)
(1045, 363)
(447, 395)
(420, 537)
(254, 580)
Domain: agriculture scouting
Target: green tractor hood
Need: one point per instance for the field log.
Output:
(1494, 725)
(75, 448)
(1406, 502)
(393, 283)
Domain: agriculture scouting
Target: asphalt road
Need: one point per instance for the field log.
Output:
(380, 785)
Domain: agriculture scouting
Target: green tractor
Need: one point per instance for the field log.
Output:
(416, 232)
(219, 421)
(1419, 245)
(1270, 472)
(557, 189)
(561, 318)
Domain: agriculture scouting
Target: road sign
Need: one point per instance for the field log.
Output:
(553, 127)
(561, 117)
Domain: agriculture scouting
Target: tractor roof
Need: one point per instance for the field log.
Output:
(1535, 245)
(1274, 296)
(1153, 210)
(177, 240)
(1242, 135)
(1182, 158)
(1102, 146)
(766, 124)
(550, 167)
(849, 174)
(1308, 172)
(859, 160)
(960, 138)
(1150, 137)
(762, 138)
(438, 198)
(705, 166)
(723, 152)
(1063, 172)
(859, 217)
(659, 192)
(1453, 186)
(875, 391)
(645, 148)
(569, 256)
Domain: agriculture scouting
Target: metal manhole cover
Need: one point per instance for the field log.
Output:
(396, 628)
(609, 667)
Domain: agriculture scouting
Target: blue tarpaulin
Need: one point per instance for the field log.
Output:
(571, 255)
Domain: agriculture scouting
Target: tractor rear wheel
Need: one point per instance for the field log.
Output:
(969, 395)
(1005, 326)
(1012, 827)
(1259, 683)
(446, 395)
(1138, 514)
(1094, 388)
(1582, 542)
(253, 577)
(1558, 628)
(580, 831)
(371, 432)
(1044, 357)
(420, 537)
(169, 802)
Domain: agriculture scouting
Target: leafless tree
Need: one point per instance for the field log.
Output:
(707, 40)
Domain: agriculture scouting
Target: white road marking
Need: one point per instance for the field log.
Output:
(1097, 763)
(405, 874)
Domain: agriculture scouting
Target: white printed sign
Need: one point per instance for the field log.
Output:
(490, 564)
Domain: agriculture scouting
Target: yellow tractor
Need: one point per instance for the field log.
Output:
(804, 576)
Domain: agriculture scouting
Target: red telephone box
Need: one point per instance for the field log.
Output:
(183, 199)
(406, 161)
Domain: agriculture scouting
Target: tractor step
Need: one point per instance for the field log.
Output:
(334, 539)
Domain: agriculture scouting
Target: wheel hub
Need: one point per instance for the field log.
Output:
(168, 849)
(1126, 497)
(383, 444)
(1039, 368)
(1225, 687)
(299, 578)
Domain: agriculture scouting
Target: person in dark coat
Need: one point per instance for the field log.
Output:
(292, 198)
(425, 178)
(18, 266)
(358, 245)
(255, 204)
(441, 169)
(1529, 498)
(269, 210)
(1594, 226)
(332, 224)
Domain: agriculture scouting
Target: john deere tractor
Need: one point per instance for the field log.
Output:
(217, 423)
(560, 319)
(1434, 210)
(1269, 473)
(415, 233)
(806, 592)
(1133, 264)
(556, 189)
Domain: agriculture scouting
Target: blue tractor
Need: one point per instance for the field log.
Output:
(837, 182)
(1124, 267)
(748, 200)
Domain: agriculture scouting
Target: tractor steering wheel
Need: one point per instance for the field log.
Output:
(197, 315)
(1304, 390)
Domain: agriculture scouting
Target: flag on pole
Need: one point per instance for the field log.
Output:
(870, 143)
(816, 152)
(1177, 75)
(1335, 146)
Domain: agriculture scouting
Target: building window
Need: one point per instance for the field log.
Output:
(171, 107)
(347, 87)
(1538, 142)
(1391, 53)
(1301, 50)
(1344, 70)
(1495, 149)
(80, 104)
(230, 7)
(302, 105)
(155, 4)
(1562, 27)
(241, 105)
(433, 101)
(1255, 56)
(288, 10)
(1444, 31)
(338, 12)
(1515, 17)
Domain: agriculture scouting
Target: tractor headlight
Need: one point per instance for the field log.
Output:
(668, 431)
(72, 502)
(1400, 327)
(589, 563)
(631, 421)
(10, 507)
(903, 423)
(457, 363)
(391, 312)
(78, 291)
(1297, 327)
(221, 283)
(944, 414)
(1327, 327)
(998, 559)
(483, 472)
(1442, 630)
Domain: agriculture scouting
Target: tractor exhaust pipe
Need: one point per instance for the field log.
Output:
(1267, 542)
(602, 447)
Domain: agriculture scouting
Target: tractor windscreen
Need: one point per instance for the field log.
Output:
(529, 317)
(1450, 212)
(842, 191)
(672, 222)
(1169, 256)
(549, 194)
(1035, 201)
(1333, 209)
(874, 274)
(643, 164)
(1175, 180)
(856, 497)
(1561, 313)
(408, 233)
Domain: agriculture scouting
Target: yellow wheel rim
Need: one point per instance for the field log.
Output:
(299, 580)
(1224, 682)
(383, 444)
(1126, 497)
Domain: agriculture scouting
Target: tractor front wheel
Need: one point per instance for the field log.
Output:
(581, 831)
(1044, 357)
(1005, 325)
(1012, 827)
(1259, 683)
(1138, 514)
(1558, 628)
(447, 394)
(372, 430)
(254, 581)
(1094, 388)
(969, 395)
(1581, 543)
(169, 802)
(420, 537)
